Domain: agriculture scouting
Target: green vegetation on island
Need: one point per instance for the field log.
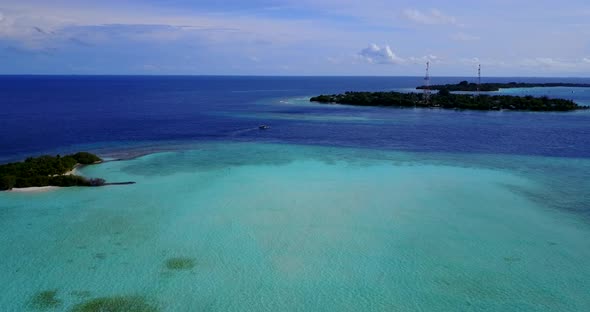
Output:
(486, 87)
(445, 99)
(48, 171)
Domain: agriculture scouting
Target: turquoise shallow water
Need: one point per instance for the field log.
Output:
(305, 228)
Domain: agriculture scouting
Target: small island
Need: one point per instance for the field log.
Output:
(49, 171)
(445, 99)
(488, 87)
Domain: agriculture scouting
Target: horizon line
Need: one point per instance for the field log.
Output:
(280, 76)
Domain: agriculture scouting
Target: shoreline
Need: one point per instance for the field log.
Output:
(43, 173)
(450, 100)
(33, 189)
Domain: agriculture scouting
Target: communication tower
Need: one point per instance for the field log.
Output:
(478, 79)
(427, 84)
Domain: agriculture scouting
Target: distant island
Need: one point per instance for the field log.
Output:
(445, 99)
(486, 87)
(49, 171)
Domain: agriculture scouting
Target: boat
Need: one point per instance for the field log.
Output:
(263, 127)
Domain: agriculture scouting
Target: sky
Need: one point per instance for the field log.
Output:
(296, 37)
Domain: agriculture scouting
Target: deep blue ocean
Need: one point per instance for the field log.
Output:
(57, 114)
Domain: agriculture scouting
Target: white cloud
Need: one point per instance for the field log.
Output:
(474, 61)
(31, 31)
(19, 25)
(428, 58)
(380, 55)
(557, 64)
(540, 64)
(548, 62)
(375, 54)
(486, 63)
(332, 60)
(433, 17)
(464, 37)
(107, 28)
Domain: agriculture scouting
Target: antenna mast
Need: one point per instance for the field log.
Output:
(427, 84)
(478, 79)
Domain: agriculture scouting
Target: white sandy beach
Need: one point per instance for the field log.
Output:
(38, 189)
(34, 189)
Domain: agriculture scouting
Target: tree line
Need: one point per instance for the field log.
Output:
(486, 87)
(47, 171)
(445, 99)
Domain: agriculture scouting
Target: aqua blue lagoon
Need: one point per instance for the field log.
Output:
(334, 208)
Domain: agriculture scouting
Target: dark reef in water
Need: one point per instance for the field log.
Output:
(445, 99)
(116, 304)
(180, 263)
(45, 300)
